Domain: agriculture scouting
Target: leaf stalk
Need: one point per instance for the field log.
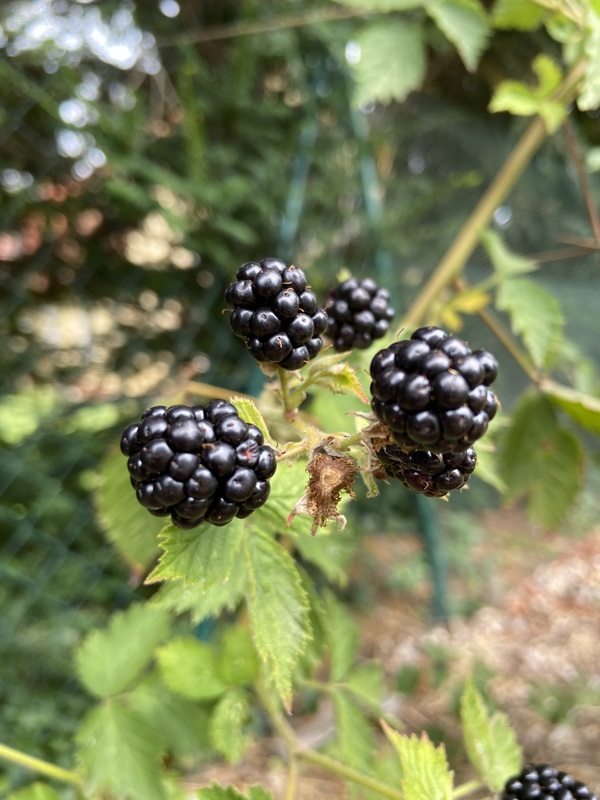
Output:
(39, 765)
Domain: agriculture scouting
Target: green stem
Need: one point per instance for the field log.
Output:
(342, 771)
(467, 239)
(292, 780)
(37, 765)
(467, 788)
(289, 403)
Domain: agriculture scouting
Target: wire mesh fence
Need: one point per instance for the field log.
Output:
(112, 281)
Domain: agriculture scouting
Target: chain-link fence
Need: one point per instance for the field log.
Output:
(120, 228)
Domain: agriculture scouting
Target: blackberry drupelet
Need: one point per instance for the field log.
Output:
(358, 313)
(276, 313)
(433, 392)
(428, 473)
(198, 463)
(543, 782)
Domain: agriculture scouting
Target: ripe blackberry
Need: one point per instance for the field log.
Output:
(198, 463)
(426, 472)
(545, 782)
(276, 313)
(432, 391)
(358, 312)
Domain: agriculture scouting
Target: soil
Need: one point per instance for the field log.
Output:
(533, 643)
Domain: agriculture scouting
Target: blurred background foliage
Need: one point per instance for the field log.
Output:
(146, 151)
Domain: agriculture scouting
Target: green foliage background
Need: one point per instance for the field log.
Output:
(237, 148)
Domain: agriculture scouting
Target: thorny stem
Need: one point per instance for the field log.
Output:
(467, 238)
(38, 765)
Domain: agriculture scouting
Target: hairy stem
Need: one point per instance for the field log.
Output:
(467, 239)
(38, 765)
(287, 396)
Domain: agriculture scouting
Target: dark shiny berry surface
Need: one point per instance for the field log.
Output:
(432, 391)
(426, 472)
(198, 463)
(547, 782)
(276, 313)
(358, 313)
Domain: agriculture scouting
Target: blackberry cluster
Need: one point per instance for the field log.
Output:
(432, 391)
(358, 313)
(424, 472)
(198, 464)
(276, 313)
(543, 782)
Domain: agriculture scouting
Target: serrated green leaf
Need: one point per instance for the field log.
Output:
(506, 263)
(343, 639)
(464, 23)
(355, 737)
(216, 792)
(520, 15)
(366, 683)
(110, 660)
(199, 601)
(535, 315)
(278, 609)
(540, 460)
(181, 723)
(583, 408)
(552, 495)
(205, 555)
(35, 791)
(330, 552)
(487, 467)
(491, 743)
(248, 411)
(392, 61)
(521, 99)
(238, 663)
(131, 529)
(190, 668)
(426, 775)
(227, 723)
(589, 96)
(120, 754)
(342, 379)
